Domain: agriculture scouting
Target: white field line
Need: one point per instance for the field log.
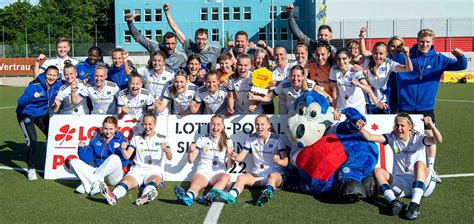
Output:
(457, 175)
(18, 169)
(458, 101)
(212, 216)
(10, 107)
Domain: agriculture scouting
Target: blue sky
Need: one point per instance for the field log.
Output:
(4, 3)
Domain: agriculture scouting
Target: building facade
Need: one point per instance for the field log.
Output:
(222, 19)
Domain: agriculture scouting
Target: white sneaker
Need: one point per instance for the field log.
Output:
(107, 193)
(95, 188)
(32, 174)
(80, 189)
(435, 177)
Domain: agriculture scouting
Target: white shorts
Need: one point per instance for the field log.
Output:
(403, 184)
(262, 177)
(209, 174)
(141, 175)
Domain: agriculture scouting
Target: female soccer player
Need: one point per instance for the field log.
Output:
(239, 86)
(378, 68)
(63, 101)
(104, 153)
(150, 148)
(349, 86)
(195, 70)
(260, 59)
(156, 77)
(319, 67)
(181, 92)
(102, 95)
(212, 96)
(120, 69)
(85, 70)
(269, 159)
(410, 176)
(134, 100)
(33, 108)
(214, 150)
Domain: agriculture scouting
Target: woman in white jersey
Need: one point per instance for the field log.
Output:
(63, 102)
(410, 176)
(349, 86)
(214, 150)
(269, 159)
(150, 150)
(181, 92)
(134, 100)
(155, 76)
(211, 96)
(377, 69)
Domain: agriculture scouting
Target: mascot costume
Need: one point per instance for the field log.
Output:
(331, 157)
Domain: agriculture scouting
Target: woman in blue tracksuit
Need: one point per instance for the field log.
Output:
(417, 89)
(120, 70)
(101, 160)
(33, 108)
(85, 70)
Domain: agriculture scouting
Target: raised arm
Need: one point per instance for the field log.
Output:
(36, 68)
(408, 67)
(437, 138)
(368, 136)
(172, 23)
(149, 45)
(300, 36)
(363, 48)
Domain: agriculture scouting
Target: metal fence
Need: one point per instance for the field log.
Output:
(342, 30)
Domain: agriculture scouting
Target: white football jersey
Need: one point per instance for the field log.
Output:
(215, 103)
(64, 95)
(153, 83)
(212, 159)
(103, 101)
(263, 152)
(287, 94)
(406, 153)
(148, 152)
(379, 82)
(279, 74)
(59, 63)
(182, 100)
(348, 94)
(241, 87)
(138, 104)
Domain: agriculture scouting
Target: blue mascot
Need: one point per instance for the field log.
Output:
(331, 157)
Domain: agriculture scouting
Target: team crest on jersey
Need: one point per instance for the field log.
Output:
(163, 78)
(109, 93)
(157, 143)
(99, 143)
(116, 145)
(270, 145)
(383, 69)
(190, 97)
(142, 101)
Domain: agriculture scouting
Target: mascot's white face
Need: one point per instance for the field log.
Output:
(307, 124)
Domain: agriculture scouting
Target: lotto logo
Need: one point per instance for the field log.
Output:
(65, 134)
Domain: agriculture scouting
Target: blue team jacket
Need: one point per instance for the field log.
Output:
(118, 76)
(415, 94)
(28, 105)
(97, 150)
(85, 70)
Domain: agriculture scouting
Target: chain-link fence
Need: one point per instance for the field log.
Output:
(26, 46)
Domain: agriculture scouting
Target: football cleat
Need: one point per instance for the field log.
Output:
(181, 194)
(395, 207)
(95, 188)
(413, 211)
(146, 198)
(435, 177)
(225, 196)
(107, 193)
(32, 174)
(266, 196)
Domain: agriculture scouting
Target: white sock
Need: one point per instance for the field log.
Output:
(234, 193)
(416, 193)
(190, 194)
(119, 192)
(389, 195)
(431, 161)
(148, 188)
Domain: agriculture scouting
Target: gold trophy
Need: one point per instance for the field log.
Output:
(260, 80)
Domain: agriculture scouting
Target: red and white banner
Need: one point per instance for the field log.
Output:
(65, 132)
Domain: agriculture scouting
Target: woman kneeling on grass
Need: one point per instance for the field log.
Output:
(410, 174)
(215, 150)
(269, 158)
(150, 148)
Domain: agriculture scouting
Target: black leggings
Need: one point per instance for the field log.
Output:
(27, 125)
